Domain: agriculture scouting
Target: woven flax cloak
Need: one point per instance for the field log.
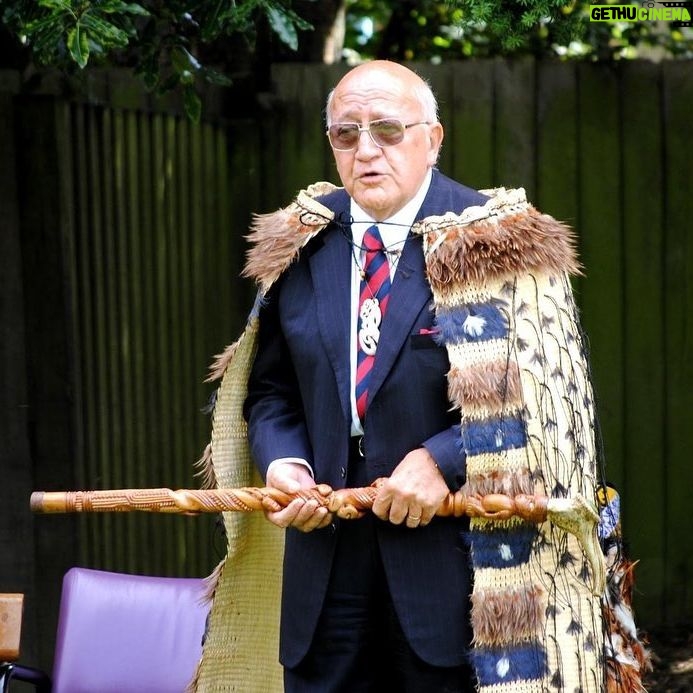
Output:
(519, 378)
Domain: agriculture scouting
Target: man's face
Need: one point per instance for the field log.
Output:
(383, 179)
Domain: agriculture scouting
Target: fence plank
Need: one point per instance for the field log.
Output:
(161, 438)
(678, 344)
(600, 222)
(642, 178)
(243, 180)
(469, 127)
(122, 271)
(514, 124)
(297, 159)
(112, 416)
(136, 259)
(557, 151)
(145, 196)
(439, 77)
(86, 462)
(97, 269)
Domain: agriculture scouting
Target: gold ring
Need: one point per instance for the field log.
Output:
(416, 518)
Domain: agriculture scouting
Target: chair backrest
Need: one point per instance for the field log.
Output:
(120, 633)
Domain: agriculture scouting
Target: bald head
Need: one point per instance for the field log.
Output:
(382, 74)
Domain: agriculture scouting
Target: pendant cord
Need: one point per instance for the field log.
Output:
(392, 255)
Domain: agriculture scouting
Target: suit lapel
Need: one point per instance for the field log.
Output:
(330, 268)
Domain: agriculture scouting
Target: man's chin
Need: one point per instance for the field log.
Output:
(374, 200)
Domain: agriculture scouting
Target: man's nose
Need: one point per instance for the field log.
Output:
(366, 146)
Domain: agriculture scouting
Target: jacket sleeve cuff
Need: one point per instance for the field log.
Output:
(447, 451)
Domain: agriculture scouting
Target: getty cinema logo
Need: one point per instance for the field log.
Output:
(679, 13)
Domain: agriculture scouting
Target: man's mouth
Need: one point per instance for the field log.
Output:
(370, 175)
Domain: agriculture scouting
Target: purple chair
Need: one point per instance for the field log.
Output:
(120, 633)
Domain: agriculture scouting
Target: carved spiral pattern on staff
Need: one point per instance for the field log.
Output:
(345, 503)
(574, 515)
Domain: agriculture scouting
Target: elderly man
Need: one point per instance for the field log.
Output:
(415, 329)
(382, 603)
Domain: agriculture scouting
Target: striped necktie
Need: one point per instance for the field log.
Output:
(373, 300)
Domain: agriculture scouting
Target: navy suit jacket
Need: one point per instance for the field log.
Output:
(299, 405)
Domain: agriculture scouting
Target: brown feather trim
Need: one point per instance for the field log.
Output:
(507, 617)
(496, 247)
(211, 582)
(493, 385)
(206, 471)
(626, 681)
(221, 361)
(629, 659)
(276, 238)
(504, 482)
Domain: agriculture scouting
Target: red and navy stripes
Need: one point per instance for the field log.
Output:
(374, 285)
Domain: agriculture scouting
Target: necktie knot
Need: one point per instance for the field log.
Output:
(372, 241)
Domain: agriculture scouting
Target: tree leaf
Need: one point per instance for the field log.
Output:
(116, 6)
(183, 60)
(78, 45)
(192, 104)
(36, 25)
(104, 32)
(215, 77)
(55, 4)
(283, 26)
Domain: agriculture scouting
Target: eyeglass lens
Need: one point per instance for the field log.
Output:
(384, 133)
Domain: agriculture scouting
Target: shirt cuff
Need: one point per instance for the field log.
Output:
(290, 460)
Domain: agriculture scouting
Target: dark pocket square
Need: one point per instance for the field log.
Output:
(426, 340)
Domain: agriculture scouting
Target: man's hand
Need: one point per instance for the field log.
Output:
(303, 515)
(413, 492)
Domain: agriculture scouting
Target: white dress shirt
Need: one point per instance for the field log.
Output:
(394, 231)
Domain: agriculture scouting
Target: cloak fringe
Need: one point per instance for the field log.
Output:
(205, 466)
(221, 361)
(277, 237)
(212, 580)
(629, 658)
(210, 585)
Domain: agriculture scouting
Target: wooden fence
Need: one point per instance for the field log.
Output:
(133, 219)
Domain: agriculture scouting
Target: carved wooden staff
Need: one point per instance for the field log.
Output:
(347, 503)
(573, 514)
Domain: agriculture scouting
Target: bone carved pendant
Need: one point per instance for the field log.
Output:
(370, 317)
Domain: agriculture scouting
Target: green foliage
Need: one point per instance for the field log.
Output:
(426, 29)
(57, 29)
(172, 44)
(161, 37)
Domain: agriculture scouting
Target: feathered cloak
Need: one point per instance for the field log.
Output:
(519, 378)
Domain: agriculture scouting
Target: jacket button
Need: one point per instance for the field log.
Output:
(342, 471)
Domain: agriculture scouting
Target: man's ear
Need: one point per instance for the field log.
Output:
(435, 135)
